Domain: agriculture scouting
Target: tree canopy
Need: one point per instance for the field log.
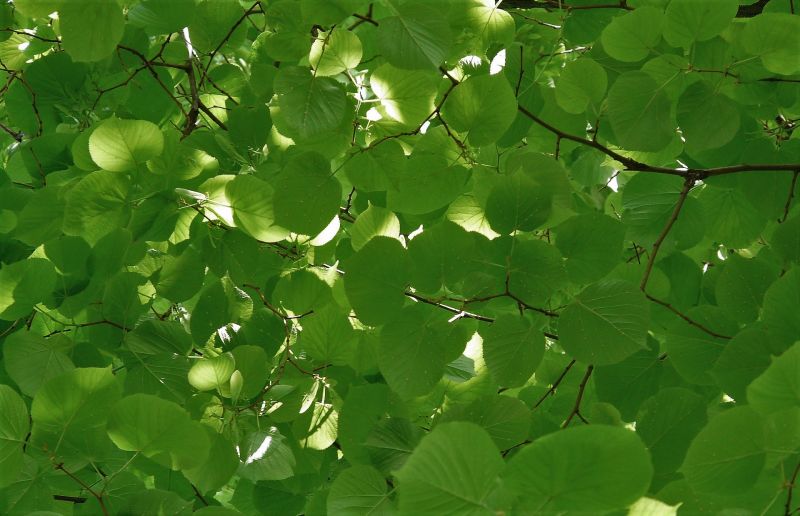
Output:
(346, 257)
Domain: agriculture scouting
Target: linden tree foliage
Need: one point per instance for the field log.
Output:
(349, 257)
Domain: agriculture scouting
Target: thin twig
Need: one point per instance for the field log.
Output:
(576, 409)
(789, 488)
(788, 204)
(687, 186)
(555, 385)
(637, 166)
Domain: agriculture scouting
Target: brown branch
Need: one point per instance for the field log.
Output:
(686, 317)
(96, 495)
(151, 68)
(555, 385)
(788, 204)
(687, 186)
(451, 309)
(198, 494)
(745, 11)
(73, 499)
(256, 7)
(790, 487)
(637, 166)
(17, 135)
(577, 407)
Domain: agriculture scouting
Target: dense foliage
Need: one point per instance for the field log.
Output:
(429, 256)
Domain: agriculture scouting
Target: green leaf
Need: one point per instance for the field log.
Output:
(605, 324)
(374, 169)
(162, 16)
(69, 413)
(328, 336)
(535, 271)
(773, 37)
(667, 423)
(13, 431)
(591, 243)
(158, 429)
(438, 256)
(627, 384)
(708, 120)
(360, 490)
(308, 105)
(452, 471)
(512, 348)
(428, 184)
(96, 205)
(741, 285)
(590, 468)
(483, 107)
(23, 285)
(251, 200)
(534, 191)
(120, 145)
(417, 37)
(743, 359)
(406, 95)
(90, 30)
(30, 360)
(335, 52)
(640, 112)
(414, 349)
(694, 351)
(582, 83)
(212, 373)
(688, 21)
(632, 36)
(220, 303)
(219, 467)
(781, 320)
(727, 456)
(181, 277)
(253, 364)
(372, 222)
(306, 196)
(376, 278)
(778, 388)
(786, 240)
(648, 201)
(507, 420)
(264, 455)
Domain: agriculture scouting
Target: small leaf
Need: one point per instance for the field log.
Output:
(120, 145)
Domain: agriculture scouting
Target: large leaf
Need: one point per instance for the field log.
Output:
(23, 285)
(30, 359)
(376, 278)
(120, 145)
(591, 468)
(512, 348)
(158, 429)
(415, 38)
(306, 196)
(407, 96)
(640, 112)
(90, 29)
(632, 36)
(14, 427)
(452, 471)
(309, 105)
(483, 107)
(727, 456)
(359, 490)
(605, 324)
(69, 413)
